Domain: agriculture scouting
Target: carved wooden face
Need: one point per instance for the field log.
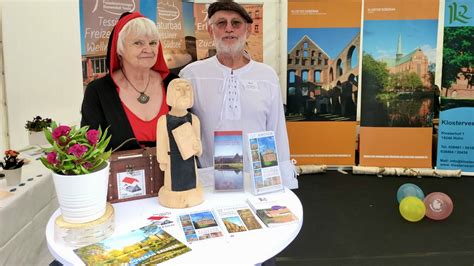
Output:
(180, 94)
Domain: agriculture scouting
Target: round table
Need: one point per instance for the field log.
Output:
(245, 248)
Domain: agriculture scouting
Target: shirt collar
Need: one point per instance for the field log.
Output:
(227, 70)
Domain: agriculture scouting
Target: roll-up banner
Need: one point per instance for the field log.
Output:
(397, 92)
(456, 123)
(182, 26)
(322, 80)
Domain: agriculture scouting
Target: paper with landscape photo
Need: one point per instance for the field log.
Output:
(228, 161)
(147, 245)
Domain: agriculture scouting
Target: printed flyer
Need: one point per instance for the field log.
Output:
(265, 171)
(456, 121)
(271, 212)
(397, 92)
(238, 219)
(228, 161)
(323, 80)
(200, 225)
(147, 245)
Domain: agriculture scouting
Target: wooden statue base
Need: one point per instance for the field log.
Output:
(180, 199)
(83, 234)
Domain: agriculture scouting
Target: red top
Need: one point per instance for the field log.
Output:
(145, 130)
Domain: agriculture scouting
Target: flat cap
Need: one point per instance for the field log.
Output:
(228, 5)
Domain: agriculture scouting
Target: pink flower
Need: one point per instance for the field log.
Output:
(52, 157)
(92, 136)
(77, 150)
(60, 131)
(87, 165)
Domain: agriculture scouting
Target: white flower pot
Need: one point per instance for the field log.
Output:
(12, 176)
(82, 198)
(37, 138)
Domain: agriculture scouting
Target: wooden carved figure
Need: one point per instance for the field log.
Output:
(178, 142)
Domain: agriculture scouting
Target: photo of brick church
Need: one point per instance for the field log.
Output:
(322, 74)
(398, 65)
(414, 62)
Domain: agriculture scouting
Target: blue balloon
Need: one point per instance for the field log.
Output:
(409, 189)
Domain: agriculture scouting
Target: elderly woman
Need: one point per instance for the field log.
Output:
(131, 98)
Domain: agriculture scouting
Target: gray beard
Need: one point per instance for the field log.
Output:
(232, 50)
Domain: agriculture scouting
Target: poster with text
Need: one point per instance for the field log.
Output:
(397, 93)
(182, 26)
(322, 80)
(175, 24)
(97, 19)
(456, 123)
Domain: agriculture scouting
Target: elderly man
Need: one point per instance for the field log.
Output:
(233, 92)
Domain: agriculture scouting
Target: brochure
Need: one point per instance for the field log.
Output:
(263, 155)
(147, 245)
(228, 161)
(199, 226)
(238, 218)
(270, 212)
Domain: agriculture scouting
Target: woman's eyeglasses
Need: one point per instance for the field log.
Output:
(235, 23)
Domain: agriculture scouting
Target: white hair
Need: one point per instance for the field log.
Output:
(138, 27)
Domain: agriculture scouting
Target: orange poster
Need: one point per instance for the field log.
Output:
(322, 80)
(397, 94)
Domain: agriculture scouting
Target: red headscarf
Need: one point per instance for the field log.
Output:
(112, 56)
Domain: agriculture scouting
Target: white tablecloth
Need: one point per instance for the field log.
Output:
(246, 248)
(24, 215)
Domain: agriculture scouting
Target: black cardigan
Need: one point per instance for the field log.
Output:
(102, 107)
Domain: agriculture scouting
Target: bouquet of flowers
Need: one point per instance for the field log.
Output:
(75, 151)
(11, 160)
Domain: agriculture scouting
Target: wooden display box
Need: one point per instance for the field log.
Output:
(134, 174)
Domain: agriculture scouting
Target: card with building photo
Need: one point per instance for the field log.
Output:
(238, 218)
(131, 184)
(265, 171)
(228, 161)
(200, 225)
